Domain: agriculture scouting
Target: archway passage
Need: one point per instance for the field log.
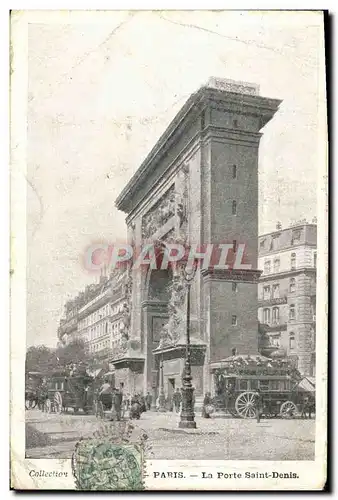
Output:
(155, 319)
(156, 305)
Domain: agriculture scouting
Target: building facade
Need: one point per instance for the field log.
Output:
(287, 294)
(198, 185)
(98, 317)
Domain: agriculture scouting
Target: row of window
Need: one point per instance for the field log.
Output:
(104, 328)
(276, 263)
(271, 315)
(296, 237)
(274, 243)
(263, 385)
(99, 346)
(99, 330)
(267, 292)
(267, 315)
(272, 292)
(275, 340)
(94, 317)
(107, 310)
(113, 344)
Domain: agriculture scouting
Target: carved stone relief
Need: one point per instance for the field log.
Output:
(159, 214)
(174, 330)
(174, 201)
(183, 197)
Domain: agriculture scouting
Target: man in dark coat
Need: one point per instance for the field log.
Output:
(149, 400)
(117, 403)
(106, 394)
(305, 407)
(177, 399)
(43, 395)
(135, 407)
(206, 402)
(142, 401)
(258, 402)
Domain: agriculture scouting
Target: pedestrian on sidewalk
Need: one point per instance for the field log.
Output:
(207, 402)
(305, 407)
(117, 403)
(126, 402)
(143, 403)
(106, 394)
(311, 406)
(149, 400)
(135, 407)
(177, 399)
(258, 402)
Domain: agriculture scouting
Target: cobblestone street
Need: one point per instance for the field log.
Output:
(55, 436)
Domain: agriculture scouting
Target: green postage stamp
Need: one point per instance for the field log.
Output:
(102, 465)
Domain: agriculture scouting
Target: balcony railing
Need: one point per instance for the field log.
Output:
(97, 302)
(272, 301)
(272, 327)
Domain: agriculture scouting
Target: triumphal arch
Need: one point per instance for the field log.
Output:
(198, 185)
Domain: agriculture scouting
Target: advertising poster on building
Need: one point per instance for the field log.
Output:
(169, 250)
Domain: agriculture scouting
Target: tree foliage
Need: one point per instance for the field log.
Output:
(74, 352)
(41, 359)
(46, 360)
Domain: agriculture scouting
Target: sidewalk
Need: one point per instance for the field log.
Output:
(169, 422)
(213, 439)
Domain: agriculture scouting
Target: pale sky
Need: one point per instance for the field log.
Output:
(103, 88)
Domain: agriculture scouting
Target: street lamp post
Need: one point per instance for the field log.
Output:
(187, 419)
(161, 396)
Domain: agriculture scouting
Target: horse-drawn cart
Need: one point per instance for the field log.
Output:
(69, 391)
(238, 378)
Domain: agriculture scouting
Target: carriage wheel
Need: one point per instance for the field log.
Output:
(48, 406)
(245, 405)
(288, 409)
(57, 402)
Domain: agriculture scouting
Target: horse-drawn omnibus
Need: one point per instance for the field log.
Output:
(66, 391)
(237, 378)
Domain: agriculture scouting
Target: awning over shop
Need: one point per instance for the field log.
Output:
(95, 373)
(312, 380)
(307, 385)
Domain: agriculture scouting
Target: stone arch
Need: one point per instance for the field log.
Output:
(156, 292)
(152, 278)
